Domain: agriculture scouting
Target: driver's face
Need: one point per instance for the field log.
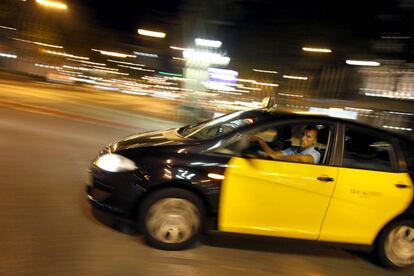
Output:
(309, 138)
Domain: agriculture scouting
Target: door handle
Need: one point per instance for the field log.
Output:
(325, 179)
(401, 185)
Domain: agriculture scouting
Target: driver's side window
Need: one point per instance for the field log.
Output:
(282, 139)
(276, 137)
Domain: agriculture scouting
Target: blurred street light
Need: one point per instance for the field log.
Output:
(205, 57)
(112, 54)
(180, 48)
(146, 54)
(136, 68)
(64, 54)
(104, 68)
(295, 77)
(249, 88)
(290, 95)
(266, 84)
(396, 37)
(170, 74)
(87, 62)
(246, 80)
(8, 28)
(265, 71)
(151, 33)
(52, 4)
(5, 55)
(208, 43)
(77, 68)
(38, 43)
(224, 72)
(316, 50)
(127, 63)
(177, 58)
(47, 66)
(362, 62)
(398, 128)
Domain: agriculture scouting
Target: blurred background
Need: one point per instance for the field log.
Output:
(77, 74)
(203, 58)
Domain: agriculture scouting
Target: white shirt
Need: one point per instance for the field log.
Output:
(309, 151)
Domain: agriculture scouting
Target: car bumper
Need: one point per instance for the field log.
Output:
(114, 193)
(99, 199)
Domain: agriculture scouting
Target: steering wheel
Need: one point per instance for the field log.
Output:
(254, 149)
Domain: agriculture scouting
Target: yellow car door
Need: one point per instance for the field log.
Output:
(275, 198)
(370, 190)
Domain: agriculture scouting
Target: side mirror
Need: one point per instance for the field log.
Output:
(268, 102)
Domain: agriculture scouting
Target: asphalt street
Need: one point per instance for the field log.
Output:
(49, 134)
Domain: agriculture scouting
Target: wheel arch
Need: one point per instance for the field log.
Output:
(407, 215)
(181, 184)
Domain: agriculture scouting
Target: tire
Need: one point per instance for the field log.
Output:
(172, 218)
(395, 246)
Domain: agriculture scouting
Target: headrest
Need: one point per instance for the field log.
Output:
(323, 135)
(285, 133)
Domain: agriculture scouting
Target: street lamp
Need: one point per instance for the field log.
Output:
(265, 71)
(362, 62)
(113, 54)
(151, 33)
(316, 50)
(295, 77)
(52, 4)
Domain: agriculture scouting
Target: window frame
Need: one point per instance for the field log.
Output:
(401, 155)
(394, 156)
(330, 147)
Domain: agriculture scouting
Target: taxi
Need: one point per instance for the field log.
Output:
(234, 174)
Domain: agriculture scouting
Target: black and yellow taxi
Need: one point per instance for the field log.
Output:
(354, 188)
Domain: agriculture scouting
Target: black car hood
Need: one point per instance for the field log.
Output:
(149, 139)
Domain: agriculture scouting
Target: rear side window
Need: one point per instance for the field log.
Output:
(364, 150)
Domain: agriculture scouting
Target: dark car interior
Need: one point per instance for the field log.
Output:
(366, 152)
(279, 138)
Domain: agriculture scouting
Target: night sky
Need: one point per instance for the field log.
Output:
(264, 27)
(252, 31)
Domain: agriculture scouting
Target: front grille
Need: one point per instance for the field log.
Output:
(97, 194)
(102, 186)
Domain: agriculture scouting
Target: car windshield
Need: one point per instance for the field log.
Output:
(224, 124)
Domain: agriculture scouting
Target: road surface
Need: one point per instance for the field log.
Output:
(48, 136)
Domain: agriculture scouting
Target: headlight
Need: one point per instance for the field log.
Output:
(115, 163)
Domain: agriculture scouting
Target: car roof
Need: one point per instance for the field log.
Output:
(286, 115)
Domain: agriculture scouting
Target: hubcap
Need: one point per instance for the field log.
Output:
(399, 246)
(172, 220)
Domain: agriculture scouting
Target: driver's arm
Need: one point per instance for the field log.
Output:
(278, 155)
(307, 158)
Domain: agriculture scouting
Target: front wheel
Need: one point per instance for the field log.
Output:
(172, 219)
(395, 246)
